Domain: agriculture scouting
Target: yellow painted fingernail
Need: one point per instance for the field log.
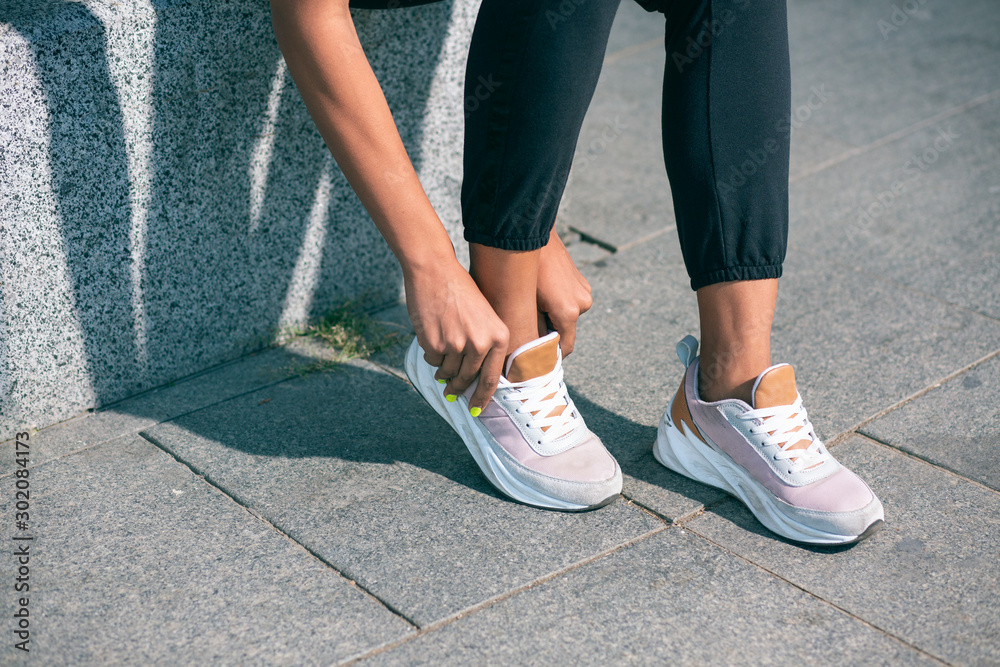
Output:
(442, 382)
(475, 412)
(450, 398)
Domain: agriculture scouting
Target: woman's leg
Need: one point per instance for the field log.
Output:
(736, 322)
(725, 134)
(726, 101)
(533, 67)
(562, 294)
(508, 280)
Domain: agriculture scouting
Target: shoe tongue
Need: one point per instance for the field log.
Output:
(775, 387)
(533, 359)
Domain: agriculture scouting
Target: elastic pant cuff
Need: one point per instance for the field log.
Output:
(516, 245)
(735, 273)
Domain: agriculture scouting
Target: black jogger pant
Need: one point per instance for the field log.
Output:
(532, 70)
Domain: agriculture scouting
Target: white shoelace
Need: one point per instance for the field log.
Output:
(780, 423)
(539, 397)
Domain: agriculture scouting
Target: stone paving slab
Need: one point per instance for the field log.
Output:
(138, 561)
(633, 26)
(860, 344)
(931, 574)
(355, 466)
(585, 252)
(953, 426)
(922, 211)
(134, 414)
(809, 147)
(624, 370)
(942, 55)
(671, 599)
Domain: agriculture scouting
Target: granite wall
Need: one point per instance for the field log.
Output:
(166, 203)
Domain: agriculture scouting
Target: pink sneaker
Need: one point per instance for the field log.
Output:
(530, 441)
(768, 456)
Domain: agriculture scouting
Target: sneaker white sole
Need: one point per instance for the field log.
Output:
(684, 453)
(490, 461)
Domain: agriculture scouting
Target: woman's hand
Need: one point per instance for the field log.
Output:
(457, 328)
(563, 293)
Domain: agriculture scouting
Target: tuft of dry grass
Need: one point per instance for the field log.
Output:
(350, 333)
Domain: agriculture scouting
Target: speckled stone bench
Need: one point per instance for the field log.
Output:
(166, 203)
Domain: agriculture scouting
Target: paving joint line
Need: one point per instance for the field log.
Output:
(659, 516)
(390, 370)
(630, 51)
(679, 521)
(500, 597)
(586, 237)
(647, 238)
(147, 426)
(895, 136)
(691, 516)
(843, 435)
(249, 510)
(836, 606)
(933, 464)
(74, 452)
(124, 434)
(178, 381)
(726, 499)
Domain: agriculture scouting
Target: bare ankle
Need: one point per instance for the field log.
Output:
(509, 281)
(736, 322)
(519, 335)
(731, 372)
(718, 389)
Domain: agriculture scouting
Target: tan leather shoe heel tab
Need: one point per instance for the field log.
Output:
(680, 413)
(534, 362)
(776, 388)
